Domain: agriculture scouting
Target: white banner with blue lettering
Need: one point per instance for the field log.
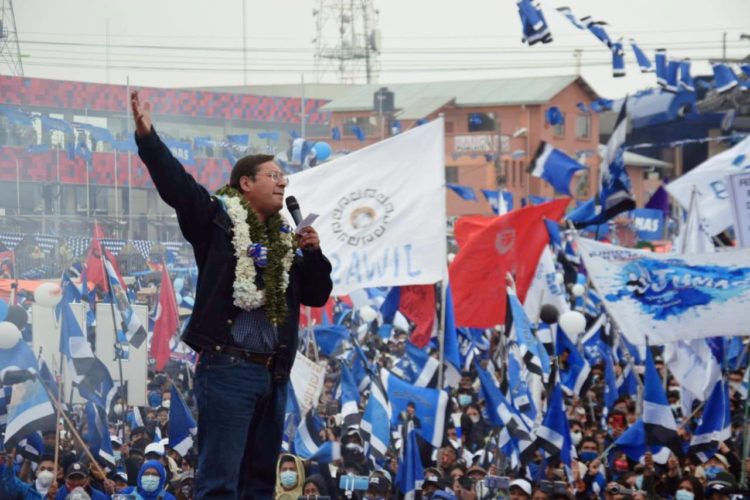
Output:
(710, 177)
(382, 210)
(660, 298)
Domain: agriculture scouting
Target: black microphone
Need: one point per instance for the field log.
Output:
(293, 207)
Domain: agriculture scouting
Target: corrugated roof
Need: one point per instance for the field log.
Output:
(423, 107)
(505, 92)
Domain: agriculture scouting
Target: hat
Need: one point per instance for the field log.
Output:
(721, 458)
(157, 448)
(443, 495)
(475, 468)
(115, 440)
(378, 484)
(431, 475)
(76, 468)
(723, 483)
(521, 483)
(122, 476)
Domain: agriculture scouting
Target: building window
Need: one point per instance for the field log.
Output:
(521, 173)
(451, 175)
(582, 184)
(583, 126)
(482, 122)
(368, 124)
(559, 129)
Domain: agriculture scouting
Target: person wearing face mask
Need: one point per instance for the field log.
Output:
(689, 489)
(474, 428)
(77, 476)
(576, 434)
(15, 489)
(152, 480)
(290, 478)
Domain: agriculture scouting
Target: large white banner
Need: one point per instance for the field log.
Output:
(663, 298)
(710, 177)
(382, 210)
(307, 380)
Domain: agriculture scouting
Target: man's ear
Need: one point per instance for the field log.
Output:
(246, 183)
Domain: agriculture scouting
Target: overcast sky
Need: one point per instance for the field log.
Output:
(422, 40)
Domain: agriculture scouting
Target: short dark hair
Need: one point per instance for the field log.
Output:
(247, 166)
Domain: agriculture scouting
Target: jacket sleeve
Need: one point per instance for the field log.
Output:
(192, 202)
(315, 278)
(14, 487)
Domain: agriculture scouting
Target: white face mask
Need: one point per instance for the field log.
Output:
(474, 419)
(44, 481)
(166, 403)
(150, 483)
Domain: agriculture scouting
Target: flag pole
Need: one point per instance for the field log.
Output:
(57, 413)
(441, 332)
(745, 434)
(58, 406)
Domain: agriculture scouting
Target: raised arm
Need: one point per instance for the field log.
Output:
(178, 189)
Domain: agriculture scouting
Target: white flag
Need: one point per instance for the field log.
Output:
(665, 298)
(382, 210)
(544, 288)
(710, 177)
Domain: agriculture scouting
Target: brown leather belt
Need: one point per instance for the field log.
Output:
(252, 357)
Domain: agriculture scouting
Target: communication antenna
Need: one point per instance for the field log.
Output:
(10, 50)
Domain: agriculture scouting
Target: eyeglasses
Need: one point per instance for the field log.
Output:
(277, 177)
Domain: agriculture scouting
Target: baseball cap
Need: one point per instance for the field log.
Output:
(115, 440)
(521, 483)
(76, 469)
(157, 448)
(723, 483)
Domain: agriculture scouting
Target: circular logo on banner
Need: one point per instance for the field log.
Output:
(361, 217)
(505, 240)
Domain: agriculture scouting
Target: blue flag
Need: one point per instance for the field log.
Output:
(97, 435)
(430, 405)
(555, 167)
(182, 426)
(465, 192)
(410, 471)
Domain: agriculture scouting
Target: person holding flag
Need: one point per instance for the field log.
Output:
(253, 274)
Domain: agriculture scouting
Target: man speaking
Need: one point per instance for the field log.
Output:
(253, 274)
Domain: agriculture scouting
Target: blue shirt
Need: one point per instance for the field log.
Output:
(252, 331)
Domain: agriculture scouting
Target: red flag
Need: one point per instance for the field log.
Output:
(493, 246)
(417, 303)
(94, 265)
(166, 322)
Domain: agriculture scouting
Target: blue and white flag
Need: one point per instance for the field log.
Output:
(693, 365)
(382, 222)
(554, 434)
(31, 447)
(308, 444)
(534, 25)
(97, 385)
(673, 74)
(349, 397)
(17, 363)
(565, 11)
(97, 435)
(574, 374)
(634, 443)
(618, 59)
(669, 298)
(417, 367)
(535, 357)
(658, 419)
(29, 410)
(595, 27)
(686, 79)
(500, 201)
(328, 338)
(430, 405)
(410, 470)
(615, 191)
(660, 62)
(544, 288)
(502, 414)
(376, 421)
(649, 223)
(724, 78)
(715, 426)
(465, 192)
(555, 167)
(710, 179)
(643, 61)
(182, 426)
(74, 346)
(127, 322)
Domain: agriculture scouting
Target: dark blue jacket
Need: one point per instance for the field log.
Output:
(160, 493)
(206, 225)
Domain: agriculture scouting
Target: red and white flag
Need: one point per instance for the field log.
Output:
(166, 323)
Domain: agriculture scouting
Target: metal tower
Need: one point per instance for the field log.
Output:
(10, 51)
(347, 41)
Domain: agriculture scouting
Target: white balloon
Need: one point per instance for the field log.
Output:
(451, 256)
(178, 298)
(367, 313)
(9, 335)
(48, 294)
(573, 323)
(178, 284)
(578, 290)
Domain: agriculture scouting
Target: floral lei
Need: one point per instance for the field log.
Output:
(270, 246)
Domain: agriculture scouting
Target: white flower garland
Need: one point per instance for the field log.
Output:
(246, 295)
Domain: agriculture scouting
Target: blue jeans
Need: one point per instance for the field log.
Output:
(240, 428)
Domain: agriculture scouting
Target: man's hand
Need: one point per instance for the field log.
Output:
(308, 239)
(52, 491)
(141, 115)
(109, 486)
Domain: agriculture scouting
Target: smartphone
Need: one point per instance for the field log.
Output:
(351, 483)
(497, 482)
